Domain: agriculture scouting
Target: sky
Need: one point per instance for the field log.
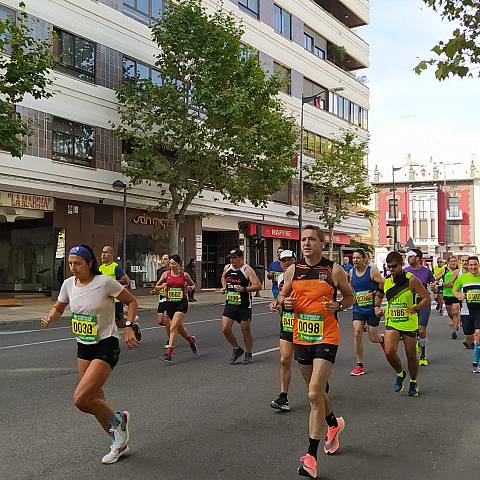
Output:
(411, 114)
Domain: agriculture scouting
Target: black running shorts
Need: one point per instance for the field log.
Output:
(161, 307)
(451, 300)
(402, 332)
(107, 350)
(305, 354)
(173, 307)
(288, 336)
(470, 323)
(237, 313)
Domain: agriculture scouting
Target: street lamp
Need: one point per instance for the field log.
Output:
(300, 186)
(119, 186)
(447, 206)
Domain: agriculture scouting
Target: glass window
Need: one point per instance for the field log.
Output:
(6, 13)
(346, 109)
(75, 55)
(249, 6)
(285, 75)
(143, 71)
(282, 21)
(128, 68)
(73, 142)
(308, 42)
(156, 78)
(392, 205)
(453, 206)
(319, 53)
(143, 10)
(133, 69)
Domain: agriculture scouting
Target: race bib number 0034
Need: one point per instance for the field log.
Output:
(473, 296)
(84, 327)
(287, 321)
(310, 327)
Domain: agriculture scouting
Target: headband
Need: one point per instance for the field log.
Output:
(81, 251)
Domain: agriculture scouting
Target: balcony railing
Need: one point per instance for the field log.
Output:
(454, 215)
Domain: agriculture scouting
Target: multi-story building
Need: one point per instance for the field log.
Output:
(428, 209)
(60, 193)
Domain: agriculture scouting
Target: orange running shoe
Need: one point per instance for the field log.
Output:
(309, 467)
(357, 371)
(331, 440)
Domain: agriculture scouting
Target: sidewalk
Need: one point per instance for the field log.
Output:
(31, 309)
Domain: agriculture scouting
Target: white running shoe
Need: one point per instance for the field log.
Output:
(120, 433)
(113, 455)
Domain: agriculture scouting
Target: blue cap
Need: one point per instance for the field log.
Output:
(81, 251)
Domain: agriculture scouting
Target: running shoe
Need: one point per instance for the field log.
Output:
(120, 432)
(357, 371)
(167, 357)
(398, 387)
(468, 346)
(248, 358)
(413, 390)
(309, 467)
(454, 335)
(332, 443)
(423, 362)
(165, 347)
(193, 345)
(281, 403)
(476, 369)
(113, 455)
(136, 329)
(236, 354)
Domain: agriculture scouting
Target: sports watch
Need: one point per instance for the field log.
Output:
(128, 323)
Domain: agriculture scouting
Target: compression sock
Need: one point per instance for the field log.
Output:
(331, 420)
(476, 353)
(313, 447)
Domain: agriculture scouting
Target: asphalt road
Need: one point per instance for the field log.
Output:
(204, 419)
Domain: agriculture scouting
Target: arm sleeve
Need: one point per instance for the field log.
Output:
(112, 287)
(63, 295)
(119, 272)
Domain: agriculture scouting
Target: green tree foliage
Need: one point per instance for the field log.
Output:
(215, 122)
(460, 54)
(23, 70)
(339, 181)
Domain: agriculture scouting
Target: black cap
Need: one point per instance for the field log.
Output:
(236, 252)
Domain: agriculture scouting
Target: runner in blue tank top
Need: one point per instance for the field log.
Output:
(365, 280)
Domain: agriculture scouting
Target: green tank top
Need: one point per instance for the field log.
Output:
(399, 298)
(448, 277)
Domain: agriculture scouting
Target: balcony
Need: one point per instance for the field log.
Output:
(390, 218)
(454, 215)
(342, 13)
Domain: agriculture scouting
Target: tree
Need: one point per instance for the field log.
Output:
(23, 70)
(213, 122)
(460, 54)
(339, 181)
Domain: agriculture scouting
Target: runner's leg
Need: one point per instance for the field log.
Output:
(227, 325)
(411, 353)
(358, 340)
(392, 338)
(175, 325)
(246, 326)
(286, 354)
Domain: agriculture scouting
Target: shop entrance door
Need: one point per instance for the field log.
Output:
(209, 266)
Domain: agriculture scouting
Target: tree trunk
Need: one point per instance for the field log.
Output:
(173, 238)
(330, 242)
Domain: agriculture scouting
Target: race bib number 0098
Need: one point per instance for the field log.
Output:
(84, 327)
(473, 296)
(310, 327)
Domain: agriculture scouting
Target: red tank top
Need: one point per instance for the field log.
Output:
(175, 287)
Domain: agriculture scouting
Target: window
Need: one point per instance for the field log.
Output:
(284, 74)
(282, 21)
(75, 55)
(318, 52)
(6, 14)
(133, 69)
(246, 52)
(146, 11)
(453, 206)
(73, 142)
(308, 42)
(314, 144)
(392, 206)
(423, 230)
(310, 89)
(250, 7)
(422, 208)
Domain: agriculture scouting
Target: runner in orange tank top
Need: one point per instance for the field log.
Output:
(310, 289)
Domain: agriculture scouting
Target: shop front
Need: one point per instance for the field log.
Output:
(26, 242)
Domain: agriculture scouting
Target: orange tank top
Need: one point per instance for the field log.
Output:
(311, 286)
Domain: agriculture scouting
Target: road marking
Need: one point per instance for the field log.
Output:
(266, 351)
(143, 329)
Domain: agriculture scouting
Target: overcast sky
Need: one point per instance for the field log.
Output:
(411, 114)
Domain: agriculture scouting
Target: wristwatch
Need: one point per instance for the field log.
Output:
(340, 306)
(128, 323)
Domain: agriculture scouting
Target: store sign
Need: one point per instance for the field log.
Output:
(270, 231)
(147, 220)
(24, 200)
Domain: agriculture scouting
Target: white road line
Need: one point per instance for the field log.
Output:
(143, 329)
(266, 351)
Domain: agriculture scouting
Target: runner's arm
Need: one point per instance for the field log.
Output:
(54, 314)
(376, 276)
(189, 281)
(224, 282)
(417, 288)
(132, 305)
(340, 278)
(287, 289)
(255, 282)
(457, 287)
(161, 283)
(125, 280)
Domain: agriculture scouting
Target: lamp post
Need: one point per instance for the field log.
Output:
(119, 186)
(300, 180)
(447, 206)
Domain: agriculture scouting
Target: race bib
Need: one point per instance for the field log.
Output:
(362, 300)
(473, 296)
(162, 294)
(233, 297)
(310, 327)
(175, 294)
(287, 321)
(276, 275)
(397, 312)
(84, 327)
